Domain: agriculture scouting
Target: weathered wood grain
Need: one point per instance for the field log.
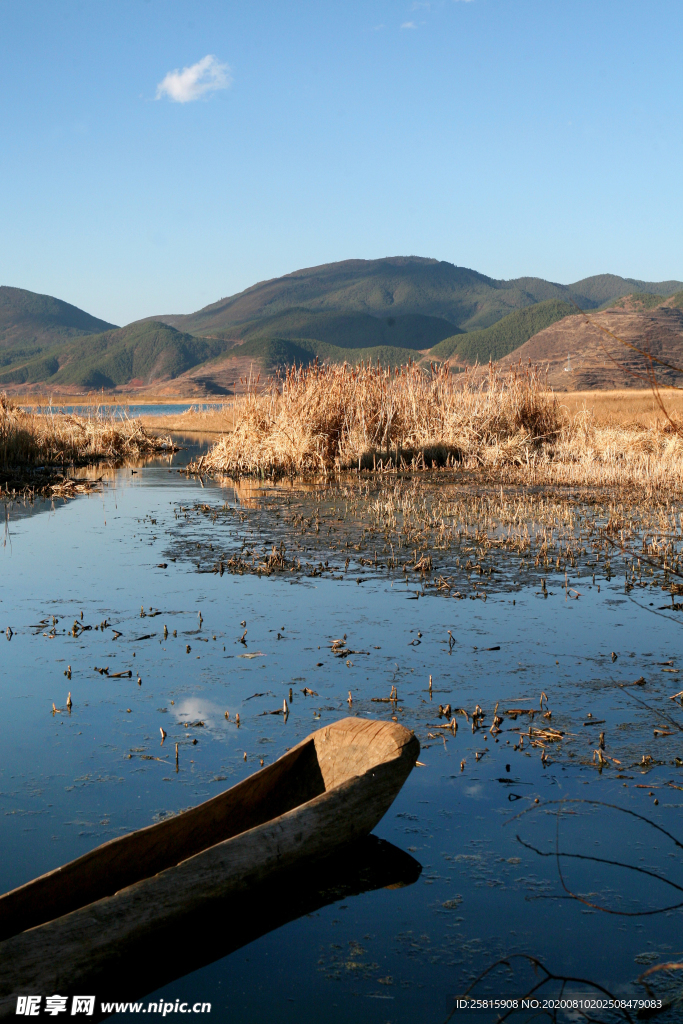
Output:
(120, 862)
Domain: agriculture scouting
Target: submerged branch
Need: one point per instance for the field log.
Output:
(558, 854)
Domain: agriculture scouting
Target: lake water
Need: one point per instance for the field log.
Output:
(123, 410)
(478, 824)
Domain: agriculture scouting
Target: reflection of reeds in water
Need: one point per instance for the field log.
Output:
(50, 438)
(457, 533)
(329, 418)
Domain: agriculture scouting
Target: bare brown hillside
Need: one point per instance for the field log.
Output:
(222, 377)
(580, 356)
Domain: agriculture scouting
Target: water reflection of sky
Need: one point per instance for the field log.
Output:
(124, 410)
(67, 782)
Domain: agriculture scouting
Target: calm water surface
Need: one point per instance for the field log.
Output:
(489, 885)
(123, 410)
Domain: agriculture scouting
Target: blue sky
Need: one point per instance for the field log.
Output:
(517, 137)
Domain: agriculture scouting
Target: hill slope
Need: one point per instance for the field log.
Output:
(605, 288)
(505, 336)
(392, 310)
(400, 285)
(141, 353)
(345, 330)
(276, 353)
(579, 355)
(29, 319)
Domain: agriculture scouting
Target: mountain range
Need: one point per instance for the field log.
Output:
(400, 285)
(393, 309)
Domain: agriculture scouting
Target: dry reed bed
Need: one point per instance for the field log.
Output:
(323, 418)
(559, 528)
(627, 407)
(557, 531)
(29, 440)
(589, 455)
(331, 418)
(215, 420)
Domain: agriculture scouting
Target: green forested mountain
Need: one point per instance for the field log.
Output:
(391, 309)
(505, 336)
(144, 351)
(281, 352)
(603, 289)
(400, 285)
(30, 320)
(344, 330)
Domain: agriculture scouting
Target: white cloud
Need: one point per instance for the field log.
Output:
(207, 75)
(408, 24)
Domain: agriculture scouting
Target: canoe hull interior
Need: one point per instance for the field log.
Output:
(330, 790)
(289, 782)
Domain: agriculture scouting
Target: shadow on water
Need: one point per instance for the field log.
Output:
(228, 925)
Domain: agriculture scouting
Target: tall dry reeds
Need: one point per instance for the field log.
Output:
(330, 418)
(30, 439)
(323, 418)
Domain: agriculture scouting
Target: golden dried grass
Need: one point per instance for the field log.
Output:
(589, 455)
(626, 408)
(323, 418)
(214, 420)
(29, 439)
(330, 418)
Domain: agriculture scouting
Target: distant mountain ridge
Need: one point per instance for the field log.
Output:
(345, 329)
(391, 310)
(400, 285)
(504, 336)
(142, 353)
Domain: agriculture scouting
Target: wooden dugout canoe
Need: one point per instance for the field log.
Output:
(329, 790)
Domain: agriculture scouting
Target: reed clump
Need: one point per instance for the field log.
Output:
(323, 418)
(330, 418)
(29, 439)
(589, 454)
